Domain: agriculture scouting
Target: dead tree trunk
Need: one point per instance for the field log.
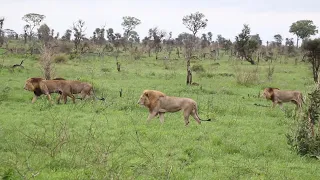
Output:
(189, 73)
(118, 66)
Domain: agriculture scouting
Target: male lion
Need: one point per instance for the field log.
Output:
(41, 86)
(84, 88)
(159, 103)
(278, 96)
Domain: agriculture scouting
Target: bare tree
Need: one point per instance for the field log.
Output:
(193, 22)
(1, 32)
(78, 32)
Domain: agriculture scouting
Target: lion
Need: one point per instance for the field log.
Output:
(84, 88)
(158, 104)
(278, 96)
(41, 86)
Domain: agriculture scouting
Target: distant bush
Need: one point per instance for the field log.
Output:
(60, 58)
(197, 68)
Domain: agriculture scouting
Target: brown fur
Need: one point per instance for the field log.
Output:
(158, 103)
(84, 88)
(278, 96)
(41, 86)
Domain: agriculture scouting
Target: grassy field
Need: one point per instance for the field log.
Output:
(111, 139)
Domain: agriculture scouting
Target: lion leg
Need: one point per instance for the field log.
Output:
(281, 106)
(64, 98)
(274, 104)
(161, 117)
(196, 117)
(59, 98)
(49, 98)
(186, 117)
(34, 99)
(152, 115)
(73, 98)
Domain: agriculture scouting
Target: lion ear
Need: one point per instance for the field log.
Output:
(146, 94)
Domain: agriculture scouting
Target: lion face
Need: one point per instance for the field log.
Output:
(266, 94)
(144, 100)
(29, 86)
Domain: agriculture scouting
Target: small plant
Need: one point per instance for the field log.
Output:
(270, 71)
(197, 68)
(60, 58)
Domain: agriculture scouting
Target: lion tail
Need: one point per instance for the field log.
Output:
(196, 112)
(94, 94)
(304, 102)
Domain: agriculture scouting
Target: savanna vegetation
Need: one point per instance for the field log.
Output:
(111, 139)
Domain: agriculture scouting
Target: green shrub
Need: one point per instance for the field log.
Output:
(60, 58)
(197, 68)
(305, 135)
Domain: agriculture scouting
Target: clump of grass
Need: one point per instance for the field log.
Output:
(247, 77)
(60, 58)
(197, 68)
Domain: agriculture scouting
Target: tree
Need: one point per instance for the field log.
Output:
(256, 38)
(129, 23)
(245, 45)
(155, 37)
(290, 45)
(33, 20)
(10, 33)
(210, 37)
(303, 29)
(67, 35)
(98, 36)
(110, 35)
(44, 33)
(195, 22)
(78, 33)
(278, 39)
(1, 32)
(313, 52)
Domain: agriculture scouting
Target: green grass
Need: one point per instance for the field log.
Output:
(111, 140)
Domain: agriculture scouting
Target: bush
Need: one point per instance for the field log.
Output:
(197, 68)
(60, 58)
(247, 76)
(305, 136)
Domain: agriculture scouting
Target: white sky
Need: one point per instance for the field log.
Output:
(225, 17)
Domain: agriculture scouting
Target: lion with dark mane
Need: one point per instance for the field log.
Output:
(278, 96)
(159, 103)
(41, 86)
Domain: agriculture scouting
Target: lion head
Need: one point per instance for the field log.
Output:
(149, 98)
(268, 92)
(32, 84)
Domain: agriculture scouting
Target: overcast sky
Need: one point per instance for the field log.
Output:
(225, 17)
